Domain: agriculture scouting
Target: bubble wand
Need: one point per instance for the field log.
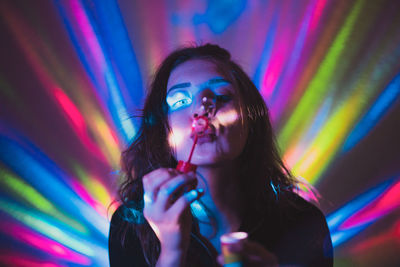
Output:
(199, 127)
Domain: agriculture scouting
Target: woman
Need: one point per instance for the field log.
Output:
(240, 183)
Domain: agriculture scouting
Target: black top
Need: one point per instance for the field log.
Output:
(295, 231)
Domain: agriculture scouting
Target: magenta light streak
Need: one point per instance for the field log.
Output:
(312, 16)
(383, 205)
(94, 49)
(85, 196)
(77, 122)
(71, 110)
(17, 259)
(317, 13)
(393, 233)
(44, 244)
(278, 57)
(307, 191)
(100, 68)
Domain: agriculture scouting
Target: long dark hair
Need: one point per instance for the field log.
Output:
(150, 149)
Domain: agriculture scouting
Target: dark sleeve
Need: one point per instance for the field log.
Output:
(129, 254)
(306, 240)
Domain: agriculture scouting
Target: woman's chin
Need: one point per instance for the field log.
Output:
(208, 160)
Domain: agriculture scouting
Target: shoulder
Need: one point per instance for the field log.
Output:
(120, 228)
(118, 222)
(305, 230)
(124, 222)
(294, 206)
(298, 215)
(117, 217)
(123, 242)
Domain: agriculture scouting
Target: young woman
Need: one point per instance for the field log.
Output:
(171, 218)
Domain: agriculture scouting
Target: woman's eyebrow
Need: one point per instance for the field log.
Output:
(217, 80)
(179, 85)
(210, 82)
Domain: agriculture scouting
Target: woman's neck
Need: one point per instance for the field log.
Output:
(223, 198)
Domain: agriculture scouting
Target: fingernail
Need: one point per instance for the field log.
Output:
(200, 190)
(147, 198)
(193, 193)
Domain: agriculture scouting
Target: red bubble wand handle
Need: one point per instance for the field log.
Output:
(199, 127)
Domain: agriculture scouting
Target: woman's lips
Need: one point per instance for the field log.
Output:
(209, 131)
(209, 135)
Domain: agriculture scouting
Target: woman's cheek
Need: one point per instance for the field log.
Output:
(176, 139)
(179, 134)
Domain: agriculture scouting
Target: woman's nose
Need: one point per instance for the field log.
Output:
(205, 106)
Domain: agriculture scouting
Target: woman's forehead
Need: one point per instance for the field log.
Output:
(195, 71)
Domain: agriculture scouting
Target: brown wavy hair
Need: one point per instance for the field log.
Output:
(150, 149)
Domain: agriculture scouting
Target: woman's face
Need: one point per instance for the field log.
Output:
(195, 88)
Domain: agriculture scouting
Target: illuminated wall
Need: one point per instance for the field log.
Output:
(73, 72)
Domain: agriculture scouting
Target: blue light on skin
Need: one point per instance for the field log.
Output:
(178, 97)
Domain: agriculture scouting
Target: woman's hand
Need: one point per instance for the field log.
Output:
(252, 254)
(167, 198)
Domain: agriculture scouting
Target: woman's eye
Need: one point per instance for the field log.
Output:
(178, 100)
(223, 98)
(181, 103)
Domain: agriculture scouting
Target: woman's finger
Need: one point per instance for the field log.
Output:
(220, 260)
(172, 189)
(153, 180)
(185, 200)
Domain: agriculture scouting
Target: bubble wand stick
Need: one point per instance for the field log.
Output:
(199, 127)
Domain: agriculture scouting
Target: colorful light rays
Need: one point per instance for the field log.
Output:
(318, 86)
(364, 210)
(56, 181)
(39, 202)
(378, 250)
(44, 245)
(107, 146)
(318, 127)
(329, 73)
(91, 49)
(374, 114)
(40, 197)
(89, 124)
(306, 29)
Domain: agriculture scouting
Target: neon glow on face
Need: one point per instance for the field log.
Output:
(195, 88)
(182, 98)
(228, 117)
(175, 138)
(179, 99)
